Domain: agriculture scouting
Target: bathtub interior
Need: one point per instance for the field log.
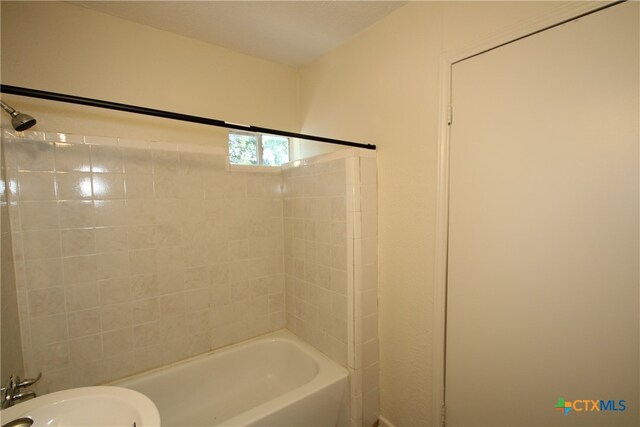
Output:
(246, 383)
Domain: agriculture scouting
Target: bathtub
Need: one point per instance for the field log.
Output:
(274, 380)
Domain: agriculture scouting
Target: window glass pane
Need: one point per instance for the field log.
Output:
(243, 149)
(275, 150)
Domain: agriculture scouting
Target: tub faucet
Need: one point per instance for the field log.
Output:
(12, 394)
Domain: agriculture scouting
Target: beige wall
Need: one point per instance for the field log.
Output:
(64, 48)
(382, 88)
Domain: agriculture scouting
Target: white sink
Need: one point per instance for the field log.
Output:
(87, 407)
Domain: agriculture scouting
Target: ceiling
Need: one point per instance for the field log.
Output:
(289, 32)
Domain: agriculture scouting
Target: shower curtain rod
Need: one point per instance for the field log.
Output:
(61, 97)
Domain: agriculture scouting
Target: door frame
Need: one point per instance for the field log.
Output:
(554, 17)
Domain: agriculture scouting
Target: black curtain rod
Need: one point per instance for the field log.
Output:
(61, 97)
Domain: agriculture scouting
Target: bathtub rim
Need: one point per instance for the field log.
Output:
(329, 374)
(279, 335)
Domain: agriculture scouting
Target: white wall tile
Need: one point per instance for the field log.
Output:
(36, 186)
(113, 291)
(74, 186)
(46, 302)
(137, 161)
(369, 302)
(47, 330)
(41, 244)
(31, 155)
(116, 316)
(108, 186)
(106, 159)
(369, 198)
(370, 353)
(368, 171)
(118, 341)
(369, 251)
(72, 157)
(82, 323)
(85, 349)
(353, 199)
(64, 138)
(80, 269)
(39, 215)
(370, 327)
(82, 296)
(43, 273)
(110, 213)
(78, 241)
(76, 214)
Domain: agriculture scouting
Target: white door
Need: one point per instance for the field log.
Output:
(543, 284)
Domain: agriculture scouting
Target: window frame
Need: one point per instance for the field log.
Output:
(260, 166)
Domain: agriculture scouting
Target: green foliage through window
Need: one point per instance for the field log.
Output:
(257, 149)
(275, 150)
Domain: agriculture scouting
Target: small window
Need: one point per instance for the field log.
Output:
(246, 148)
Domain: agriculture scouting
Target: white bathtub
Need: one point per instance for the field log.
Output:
(275, 380)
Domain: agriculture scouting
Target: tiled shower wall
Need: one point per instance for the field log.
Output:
(330, 233)
(315, 242)
(364, 365)
(132, 255)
